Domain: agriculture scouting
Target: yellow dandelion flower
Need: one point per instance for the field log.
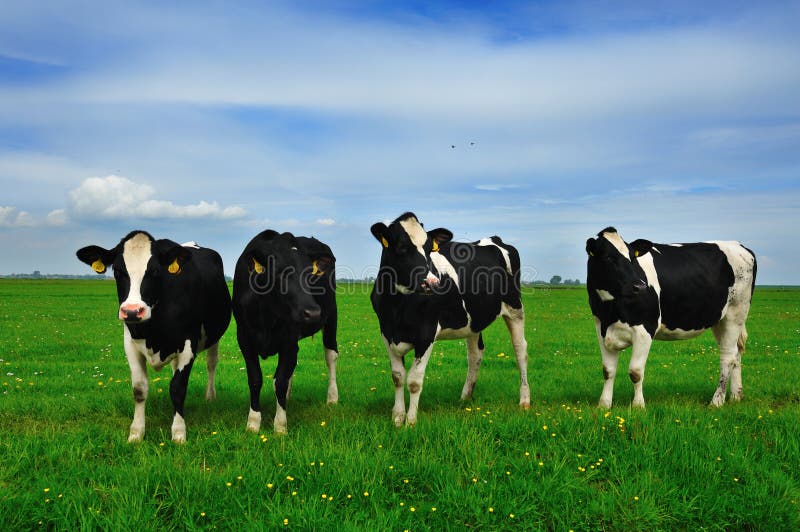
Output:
(405, 481)
(46, 490)
(511, 516)
(322, 424)
(285, 522)
(239, 477)
(366, 494)
(270, 485)
(324, 496)
(491, 510)
(202, 514)
(412, 509)
(402, 503)
(213, 432)
(636, 498)
(289, 478)
(433, 508)
(228, 484)
(541, 464)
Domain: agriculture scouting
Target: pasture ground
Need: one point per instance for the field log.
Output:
(66, 404)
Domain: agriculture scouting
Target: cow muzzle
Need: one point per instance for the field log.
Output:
(133, 312)
(430, 284)
(311, 315)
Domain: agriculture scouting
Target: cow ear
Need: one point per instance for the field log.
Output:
(640, 247)
(591, 245)
(96, 257)
(440, 235)
(257, 262)
(381, 233)
(172, 255)
(322, 264)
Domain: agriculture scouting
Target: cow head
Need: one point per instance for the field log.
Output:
(141, 265)
(406, 255)
(288, 274)
(613, 271)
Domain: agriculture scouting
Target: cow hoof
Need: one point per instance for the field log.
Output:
(135, 437)
(411, 421)
(716, 402)
(179, 437)
(254, 421)
(281, 429)
(399, 418)
(211, 395)
(638, 404)
(525, 405)
(604, 404)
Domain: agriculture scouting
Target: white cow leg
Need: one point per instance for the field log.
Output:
(333, 391)
(641, 348)
(730, 359)
(416, 375)
(515, 321)
(212, 358)
(136, 362)
(474, 357)
(397, 363)
(610, 360)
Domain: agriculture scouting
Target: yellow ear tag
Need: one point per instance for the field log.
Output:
(315, 269)
(435, 246)
(384, 242)
(635, 253)
(257, 266)
(174, 268)
(98, 266)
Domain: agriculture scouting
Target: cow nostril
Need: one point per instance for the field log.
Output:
(311, 315)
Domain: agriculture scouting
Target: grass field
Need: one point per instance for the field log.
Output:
(66, 405)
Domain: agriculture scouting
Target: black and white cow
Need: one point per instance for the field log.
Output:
(430, 288)
(284, 289)
(174, 303)
(643, 291)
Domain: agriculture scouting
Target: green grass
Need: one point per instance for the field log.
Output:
(66, 404)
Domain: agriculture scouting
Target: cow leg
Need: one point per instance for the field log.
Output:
(331, 356)
(397, 361)
(515, 321)
(255, 379)
(287, 361)
(639, 351)
(727, 335)
(474, 357)
(177, 391)
(610, 360)
(138, 367)
(416, 375)
(333, 391)
(212, 357)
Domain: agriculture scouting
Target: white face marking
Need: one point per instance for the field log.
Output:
(418, 237)
(136, 254)
(604, 295)
(416, 233)
(444, 267)
(618, 243)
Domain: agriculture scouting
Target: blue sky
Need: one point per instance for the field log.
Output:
(211, 121)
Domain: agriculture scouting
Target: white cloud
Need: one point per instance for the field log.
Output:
(11, 217)
(116, 197)
(326, 221)
(57, 217)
